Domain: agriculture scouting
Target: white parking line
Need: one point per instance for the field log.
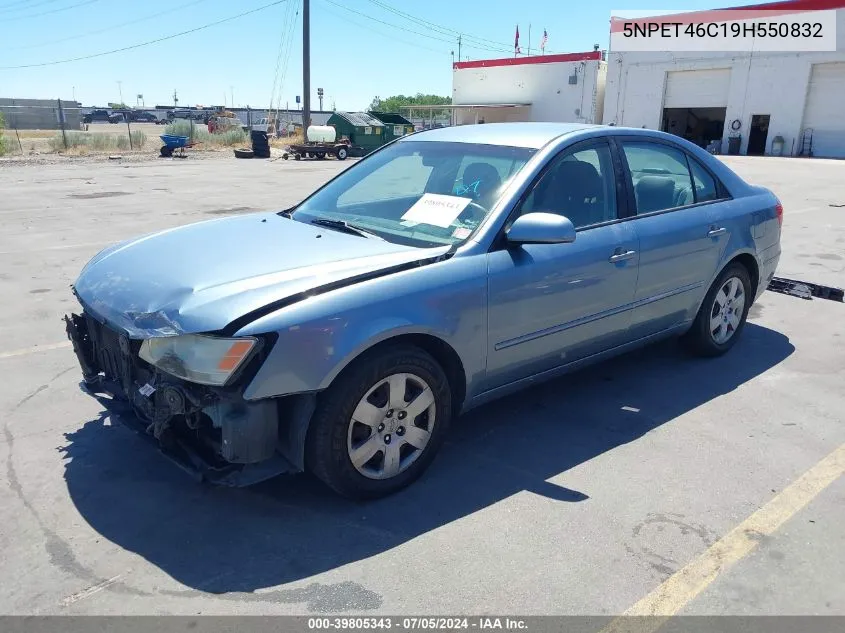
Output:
(689, 581)
(35, 349)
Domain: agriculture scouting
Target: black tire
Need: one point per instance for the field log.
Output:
(700, 339)
(166, 152)
(285, 155)
(297, 157)
(321, 155)
(326, 452)
(341, 153)
(244, 153)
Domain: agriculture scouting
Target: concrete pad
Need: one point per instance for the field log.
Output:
(575, 497)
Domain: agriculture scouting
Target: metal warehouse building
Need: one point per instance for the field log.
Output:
(747, 102)
(566, 88)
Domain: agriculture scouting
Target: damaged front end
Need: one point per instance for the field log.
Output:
(210, 431)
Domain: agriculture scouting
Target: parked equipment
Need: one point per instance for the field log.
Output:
(173, 142)
(321, 134)
(320, 142)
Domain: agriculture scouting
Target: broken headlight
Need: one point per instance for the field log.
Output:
(205, 360)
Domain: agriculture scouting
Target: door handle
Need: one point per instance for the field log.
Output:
(621, 257)
(716, 231)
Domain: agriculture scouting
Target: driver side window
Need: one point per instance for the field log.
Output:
(580, 185)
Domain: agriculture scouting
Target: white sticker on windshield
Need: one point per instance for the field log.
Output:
(461, 233)
(436, 209)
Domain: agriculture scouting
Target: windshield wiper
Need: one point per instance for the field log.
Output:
(346, 227)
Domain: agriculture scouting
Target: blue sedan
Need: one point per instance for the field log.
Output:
(445, 270)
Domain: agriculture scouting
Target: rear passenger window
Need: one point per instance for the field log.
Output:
(579, 185)
(660, 176)
(705, 184)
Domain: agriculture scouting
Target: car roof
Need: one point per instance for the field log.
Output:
(524, 134)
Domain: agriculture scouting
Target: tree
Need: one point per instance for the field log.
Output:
(393, 104)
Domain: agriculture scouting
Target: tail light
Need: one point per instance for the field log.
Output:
(779, 213)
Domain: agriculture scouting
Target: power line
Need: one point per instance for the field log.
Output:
(401, 28)
(382, 33)
(147, 43)
(284, 51)
(108, 28)
(13, 5)
(59, 10)
(444, 29)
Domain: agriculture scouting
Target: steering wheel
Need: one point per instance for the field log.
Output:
(474, 213)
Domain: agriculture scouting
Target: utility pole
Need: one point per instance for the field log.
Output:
(529, 40)
(306, 65)
(120, 90)
(175, 100)
(61, 123)
(320, 97)
(459, 48)
(232, 91)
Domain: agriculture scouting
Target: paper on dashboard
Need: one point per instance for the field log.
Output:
(436, 209)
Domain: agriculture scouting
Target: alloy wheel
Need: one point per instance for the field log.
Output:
(727, 310)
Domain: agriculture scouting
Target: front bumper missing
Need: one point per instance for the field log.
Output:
(213, 434)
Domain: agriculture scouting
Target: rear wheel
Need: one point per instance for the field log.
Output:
(721, 317)
(379, 425)
(342, 153)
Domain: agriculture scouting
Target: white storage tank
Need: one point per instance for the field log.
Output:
(321, 134)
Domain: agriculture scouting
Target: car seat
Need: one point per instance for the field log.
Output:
(574, 189)
(480, 182)
(654, 193)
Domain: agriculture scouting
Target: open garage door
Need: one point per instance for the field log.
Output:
(697, 88)
(823, 112)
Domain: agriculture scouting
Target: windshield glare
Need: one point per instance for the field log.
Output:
(419, 193)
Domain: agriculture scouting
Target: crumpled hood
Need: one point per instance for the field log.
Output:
(201, 277)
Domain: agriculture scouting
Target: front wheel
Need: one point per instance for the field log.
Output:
(722, 315)
(342, 153)
(379, 425)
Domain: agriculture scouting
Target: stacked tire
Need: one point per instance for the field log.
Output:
(260, 144)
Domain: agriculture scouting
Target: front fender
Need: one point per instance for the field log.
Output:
(318, 337)
(379, 331)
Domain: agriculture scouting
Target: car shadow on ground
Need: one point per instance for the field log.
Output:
(222, 540)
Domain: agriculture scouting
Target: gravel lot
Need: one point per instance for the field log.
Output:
(581, 496)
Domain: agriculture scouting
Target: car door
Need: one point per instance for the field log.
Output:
(679, 231)
(551, 304)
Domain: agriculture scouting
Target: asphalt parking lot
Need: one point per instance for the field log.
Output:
(631, 486)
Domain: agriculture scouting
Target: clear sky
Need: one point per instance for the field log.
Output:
(359, 48)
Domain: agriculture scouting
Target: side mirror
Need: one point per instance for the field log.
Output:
(541, 228)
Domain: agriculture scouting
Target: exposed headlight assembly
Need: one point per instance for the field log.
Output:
(206, 360)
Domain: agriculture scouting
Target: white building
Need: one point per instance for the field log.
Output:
(759, 96)
(567, 88)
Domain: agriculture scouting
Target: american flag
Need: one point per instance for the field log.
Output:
(516, 50)
(544, 40)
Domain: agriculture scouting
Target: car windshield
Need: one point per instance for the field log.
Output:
(419, 193)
